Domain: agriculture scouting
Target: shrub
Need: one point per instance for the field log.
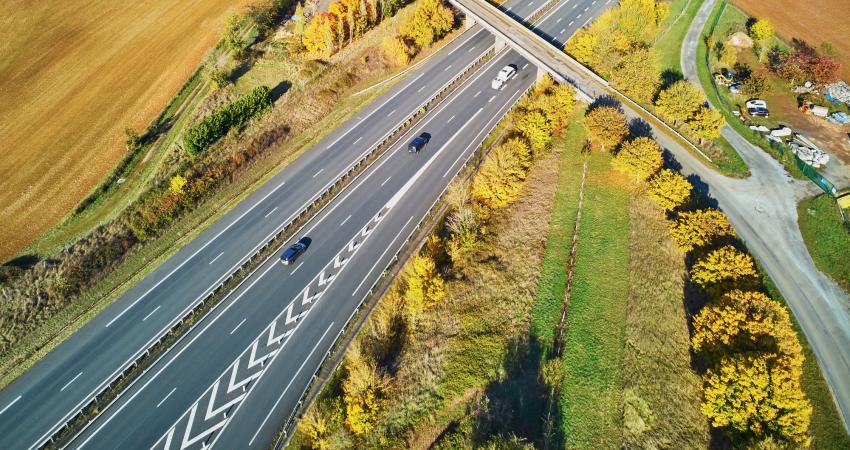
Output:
(217, 124)
(724, 265)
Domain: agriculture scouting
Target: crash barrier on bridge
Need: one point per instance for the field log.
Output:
(192, 316)
(573, 66)
(411, 245)
(784, 151)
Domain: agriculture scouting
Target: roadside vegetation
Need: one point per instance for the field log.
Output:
(280, 99)
(827, 237)
(639, 322)
(765, 67)
(624, 45)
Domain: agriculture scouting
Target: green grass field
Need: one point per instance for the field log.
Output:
(590, 404)
(826, 237)
(669, 43)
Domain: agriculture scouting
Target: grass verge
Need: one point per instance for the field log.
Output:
(590, 403)
(826, 237)
(661, 390)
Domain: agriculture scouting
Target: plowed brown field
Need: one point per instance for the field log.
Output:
(813, 21)
(73, 75)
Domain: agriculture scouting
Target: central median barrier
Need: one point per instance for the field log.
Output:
(181, 326)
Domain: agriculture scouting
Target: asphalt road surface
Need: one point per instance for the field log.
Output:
(67, 378)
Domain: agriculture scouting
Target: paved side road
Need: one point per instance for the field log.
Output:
(764, 212)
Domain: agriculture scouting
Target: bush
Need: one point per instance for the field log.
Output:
(214, 126)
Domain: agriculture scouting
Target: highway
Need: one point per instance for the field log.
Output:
(68, 378)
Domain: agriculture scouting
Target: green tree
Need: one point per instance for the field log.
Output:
(218, 78)
(233, 34)
(679, 102)
(755, 85)
(669, 189)
(606, 127)
(640, 158)
(728, 56)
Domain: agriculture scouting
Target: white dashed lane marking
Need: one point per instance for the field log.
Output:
(385, 181)
(267, 216)
(296, 269)
(151, 313)
(10, 404)
(317, 173)
(237, 326)
(69, 383)
(165, 398)
(346, 220)
(219, 255)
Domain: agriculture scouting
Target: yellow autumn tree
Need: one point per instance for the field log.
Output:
(537, 129)
(606, 127)
(581, 45)
(761, 30)
(669, 189)
(706, 123)
(397, 50)
(640, 158)
(724, 265)
(520, 148)
(363, 391)
(699, 228)
(638, 75)
(320, 37)
(756, 395)
(558, 105)
(315, 427)
(745, 320)
(424, 284)
(430, 22)
(679, 102)
(499, 180)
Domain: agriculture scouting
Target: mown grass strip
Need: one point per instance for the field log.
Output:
(546, 311)
(590, 404)
(826, 237)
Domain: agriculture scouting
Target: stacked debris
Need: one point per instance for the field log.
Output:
(808, 152)
(839, 91)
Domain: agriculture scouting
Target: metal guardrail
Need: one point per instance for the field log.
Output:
(327, 194)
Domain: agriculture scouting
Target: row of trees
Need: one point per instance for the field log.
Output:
(618, 46)
(752, 385)
(345, 21)
(429, 23)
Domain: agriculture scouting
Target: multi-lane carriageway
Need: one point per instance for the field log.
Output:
(238, 375)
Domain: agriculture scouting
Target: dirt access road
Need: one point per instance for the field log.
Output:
(765, 215)
(73, 75)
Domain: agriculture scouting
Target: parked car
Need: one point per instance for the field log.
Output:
(292, 253)
(503, 76)
(419, 143)
(757, 108)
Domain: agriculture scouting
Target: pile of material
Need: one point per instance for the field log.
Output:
(808, 152)
(839, 91)
(839, 118)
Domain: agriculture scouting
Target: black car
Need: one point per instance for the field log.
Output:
(291, 254)
(419, 143)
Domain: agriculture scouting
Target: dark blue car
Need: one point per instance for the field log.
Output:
(291, 254)
(419, 143)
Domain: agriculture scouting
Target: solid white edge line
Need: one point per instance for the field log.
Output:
(300, 368)
(99, 387)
